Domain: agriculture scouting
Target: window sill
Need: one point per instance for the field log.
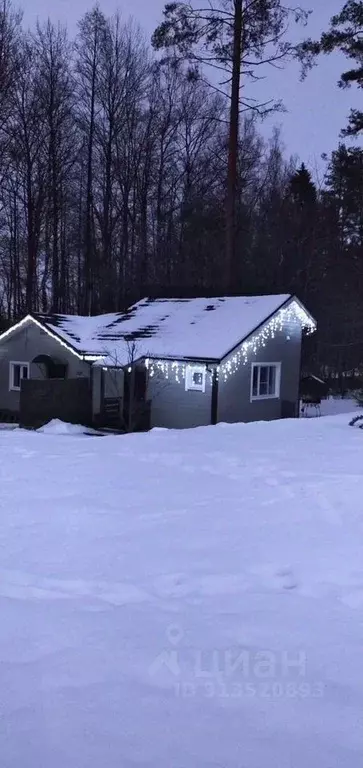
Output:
(264, 397)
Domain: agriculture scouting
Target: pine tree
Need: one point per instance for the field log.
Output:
(234, 37)
(344, 35)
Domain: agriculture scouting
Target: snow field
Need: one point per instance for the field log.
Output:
(182, 599)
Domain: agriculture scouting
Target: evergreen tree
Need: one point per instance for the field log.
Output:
(345, 35)
(302, 188)
(235, 37)
(342, 306)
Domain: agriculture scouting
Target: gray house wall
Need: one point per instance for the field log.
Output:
(173, 407)
(23, 346)
(234, 394)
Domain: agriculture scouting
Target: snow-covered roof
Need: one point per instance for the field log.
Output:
(199, 328)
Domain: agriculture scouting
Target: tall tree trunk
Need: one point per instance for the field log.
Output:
(89, 196)
(31, 251)
(230, 270)
(55, 232)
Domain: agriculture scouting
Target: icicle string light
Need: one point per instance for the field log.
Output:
(293, 312)
(170, 369)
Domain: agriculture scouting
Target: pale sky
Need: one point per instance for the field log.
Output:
(316, 108)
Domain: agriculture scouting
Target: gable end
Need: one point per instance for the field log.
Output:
(31, 319)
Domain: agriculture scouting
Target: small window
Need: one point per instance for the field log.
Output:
(195, 378)
(265, 380)
(18, 371)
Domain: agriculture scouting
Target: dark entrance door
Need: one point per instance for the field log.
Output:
(112, 394)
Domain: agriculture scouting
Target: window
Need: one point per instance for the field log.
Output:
(195, 378)
(18, 371)
(265, 380)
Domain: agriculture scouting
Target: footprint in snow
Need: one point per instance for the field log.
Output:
(287, 578)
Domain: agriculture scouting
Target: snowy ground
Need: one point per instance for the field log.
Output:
(183, 599)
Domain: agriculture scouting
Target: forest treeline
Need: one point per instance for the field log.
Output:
(112, 186)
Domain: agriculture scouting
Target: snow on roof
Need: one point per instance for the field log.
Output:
(201, 328)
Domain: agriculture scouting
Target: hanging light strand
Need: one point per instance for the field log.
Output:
(279, 323)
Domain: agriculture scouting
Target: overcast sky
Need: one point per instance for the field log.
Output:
(316, 108)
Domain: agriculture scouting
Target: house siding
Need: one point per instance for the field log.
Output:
(234, 394)
(23, 346)
(174, 407)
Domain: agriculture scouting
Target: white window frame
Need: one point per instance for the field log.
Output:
(12, 363)
(276, 394)
(189, 372)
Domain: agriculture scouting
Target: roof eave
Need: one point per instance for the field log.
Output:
(54, 335)
(283, 304)
(57, 337)
(256, 328)
(302, 306)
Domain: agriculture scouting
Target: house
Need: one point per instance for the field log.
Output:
(164, 362)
